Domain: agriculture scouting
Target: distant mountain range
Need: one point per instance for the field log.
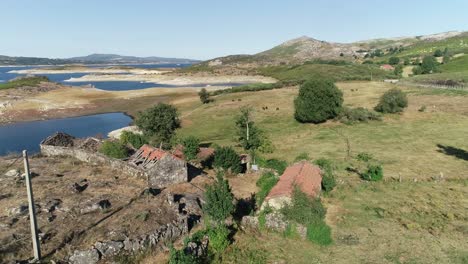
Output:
(302, 49)
(93, 59)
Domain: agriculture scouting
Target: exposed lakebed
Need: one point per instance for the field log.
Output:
(27, 135)
(8, 73)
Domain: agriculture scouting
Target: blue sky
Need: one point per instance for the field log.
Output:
(204, 29)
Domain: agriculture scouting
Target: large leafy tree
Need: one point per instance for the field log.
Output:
(204, 96)
(159, 122)
(318, 100)
(429, 65)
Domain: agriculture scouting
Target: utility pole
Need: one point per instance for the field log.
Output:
(32, 210)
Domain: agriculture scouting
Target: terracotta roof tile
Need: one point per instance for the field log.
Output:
(306, 176)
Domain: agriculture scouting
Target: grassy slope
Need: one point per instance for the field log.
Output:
(28, 81)
(337, 72)
(388, 222)
(405, 143)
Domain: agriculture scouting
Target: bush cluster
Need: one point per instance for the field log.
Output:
(328, 177)
(393, 101)
(136, 140)
(373, 173)
(310, 213)
(159, 122)
(265, 183)
(191, 146)
(114, 149)
(275, 164)
(227, 159)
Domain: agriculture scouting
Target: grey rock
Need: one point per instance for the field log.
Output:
(99, 206)
(18, 211)
(13, 173)
(85, 257)
(276, 221)
(249, 221)
(109, 248)
(51, 205)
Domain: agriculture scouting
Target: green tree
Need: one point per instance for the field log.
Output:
(429, 65)
(417, 70)
(393, 60)
(226, 158)
(398, 71)
(191, 147)
(219, 199)
(114, 149)
(248, 134)
(318, 100)
(204, 96)
(159, 122)
(446, 59)
(393, 101)
(438, 53)
(406, 61)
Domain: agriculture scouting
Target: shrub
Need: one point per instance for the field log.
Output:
(406, 61)
(373, 173)
(393, 60)
(181, 257)
(328, 177)
(159, 122)
(438, 53)
(266, 182)
(204, 96)
(359, 114)
(114, 149)
(226, 158)
(219, 239)
(318, 100)
(219, 200)
(136, 140)
(304, 209)
(364, 156)
(191, 147)
(275, 164)
(393, 101)
(319, 233)
(417, 70)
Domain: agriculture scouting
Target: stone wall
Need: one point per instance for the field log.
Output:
(94, 158)
(164, 234)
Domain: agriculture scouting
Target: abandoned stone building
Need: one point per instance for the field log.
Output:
(160, 168)
(303, 175)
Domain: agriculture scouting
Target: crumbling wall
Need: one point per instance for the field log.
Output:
(94, 158)
(168, 170)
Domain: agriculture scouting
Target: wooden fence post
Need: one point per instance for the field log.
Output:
(32, 209)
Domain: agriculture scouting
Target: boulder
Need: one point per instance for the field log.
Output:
(249, 221)
(90, 256)
(13, 173)
(99, 206)
(109, 248)
(276, 221)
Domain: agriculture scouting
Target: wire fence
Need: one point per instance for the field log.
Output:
(435, 86)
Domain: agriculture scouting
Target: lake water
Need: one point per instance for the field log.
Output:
(106, 85)
(27, 135)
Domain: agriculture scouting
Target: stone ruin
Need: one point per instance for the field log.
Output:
(160, 168)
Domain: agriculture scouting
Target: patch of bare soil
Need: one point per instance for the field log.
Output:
(79, 204)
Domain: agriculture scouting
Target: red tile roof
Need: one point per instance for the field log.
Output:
(151, 153)
(306, 176)
(387, 67)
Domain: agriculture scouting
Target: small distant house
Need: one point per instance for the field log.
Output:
(387, 67)
(303, 175)
(161, 167)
